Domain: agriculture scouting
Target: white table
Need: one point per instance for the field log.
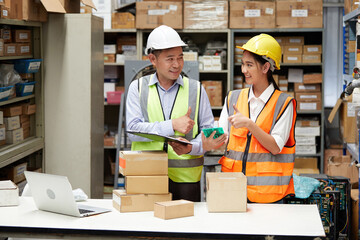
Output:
(285, 220)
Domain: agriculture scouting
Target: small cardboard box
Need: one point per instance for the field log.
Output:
(306, 165)
(254, 14)
(147, 184)
(12, 123)
(305, 140)
(294, 40)
(14, 136)
(300, 87)
(28, 109)
(23, 49)
(12, 111)
(311, 78)
(308, 97)
(22, 36)
(151, 14)
(143, 163)
(16, 173)
(307, 131)
(312, 49)
(309, 106)
(342, 166)
(214, 91)
(122, 20)
(226, 192)
(311, 58)
(109, 58)
(206, 14)
(174, 209)
(137, 202)
(9, 194)
(10, 49)
(299, 14)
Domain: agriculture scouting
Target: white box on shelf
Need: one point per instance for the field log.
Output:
(110, 48)
(305, 149)
(120, 58)
(305, 140)
(307, 131)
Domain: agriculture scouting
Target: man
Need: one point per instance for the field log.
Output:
(172, 105)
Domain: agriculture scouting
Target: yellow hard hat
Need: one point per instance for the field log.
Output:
(264, 45)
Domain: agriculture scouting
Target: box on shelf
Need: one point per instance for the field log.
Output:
(27, 65)
(308, 96)
(147, 184)
(28, 109)
(24, 118)
(11, 111)
(122, 20)
(14, 136)
(226, 192)
(137, 202)
(206, 14)
(151, 14)
(9, 194)
(109, 141)
(10, 49)
(293, 49)
(109, 58)
(305, 149)
(300, 87)
(4, 12)
(311, 78)
(305, 140)
(5, 93)
(311, 58)
(12, 123)
(25, 125)
(2, 134)
(307, 123)
(109, 48)
(174, 209)
(22, 36)
(299, 14)
(309, 106)
(312, 49)
(23, 49)
(292, 58)
(307, 131)
(135, 163)
(306, 165)
(16, 173)
(253, 14)
(214, 91)
(293, 40)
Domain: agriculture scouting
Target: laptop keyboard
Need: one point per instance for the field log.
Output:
(82, 211)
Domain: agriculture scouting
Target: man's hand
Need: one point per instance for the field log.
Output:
(210, 143)
(183, 124)
(238, 120)
(181, 148)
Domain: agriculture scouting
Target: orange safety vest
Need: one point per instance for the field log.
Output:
(269, 177)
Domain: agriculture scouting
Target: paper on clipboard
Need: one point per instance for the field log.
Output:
(157, 137)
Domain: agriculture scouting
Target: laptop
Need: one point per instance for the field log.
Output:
(53, 193)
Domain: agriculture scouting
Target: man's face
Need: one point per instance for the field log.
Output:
(169, 63)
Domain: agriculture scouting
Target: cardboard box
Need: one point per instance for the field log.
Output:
(143, 163)
(147, 184)
(350, 5)
(122, 20)
(311, 78)
(226, 192)
(307, 123)
(1, 47)
(214, 91)
(311, 58)
(6, 35)
(254, 14)
(14, 136)
(294, 40)
(292, 58)
(25, 125)
(16, 173)
(24, 118)
(306, 165)
(307, 131)
(12, 111)
(9, 194)
(311, 49)
(206, 14)
(12, 122)
(28, 109)
(10, 49)
(354, 214)
(137, 202)
(308, 97)
(151, 14)
(15, 9)
(26, 132)
(173, 209)
(22, 36)
(34, 11)
(342, 166)
(299, 13)
(328, 153)
(2, 134)
(305, 149)
(293, 49)
(300, 87)
(109, 58)
(347, 118)
(305, 140)
(23, 49)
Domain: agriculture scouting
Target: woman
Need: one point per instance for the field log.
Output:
(260, 121)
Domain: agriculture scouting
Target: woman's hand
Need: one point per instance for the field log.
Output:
(238, 120)
(210, 143)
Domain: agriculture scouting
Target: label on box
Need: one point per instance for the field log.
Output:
(11, 49)
(158, 12)
(252, 13)
(28, 88)
(5, 12)
(34, 65)
(269, 11)
(313, 49)
(24, 49)
(208, 14)
(23, 36)
(5, 94)
(308, 96)
(299, 13)
(295, 40)
(173, 7)
(351, 109)
(292, 58)
(308, 106)
(307, 87)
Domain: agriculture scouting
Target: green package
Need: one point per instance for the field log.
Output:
(208, 131)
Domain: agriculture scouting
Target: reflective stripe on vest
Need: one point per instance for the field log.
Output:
(269, 176)
(184, 168)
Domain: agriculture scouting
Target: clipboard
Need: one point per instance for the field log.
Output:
(157, 137)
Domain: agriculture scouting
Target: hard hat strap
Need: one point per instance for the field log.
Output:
(272, 62)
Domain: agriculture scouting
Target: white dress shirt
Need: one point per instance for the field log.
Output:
(281, 130)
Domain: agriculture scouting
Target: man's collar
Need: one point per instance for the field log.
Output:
(154, 80)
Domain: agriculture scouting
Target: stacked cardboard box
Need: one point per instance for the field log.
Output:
(308, 96)
(292, 48)
(306, 131)
(146, 181)
(306, 165)
(15, 42)
(214, 92)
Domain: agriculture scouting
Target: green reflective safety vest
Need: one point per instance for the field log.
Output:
(183, 168)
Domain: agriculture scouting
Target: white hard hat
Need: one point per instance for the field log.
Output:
(163, 37)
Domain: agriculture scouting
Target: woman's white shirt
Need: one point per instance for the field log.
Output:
(282, 128)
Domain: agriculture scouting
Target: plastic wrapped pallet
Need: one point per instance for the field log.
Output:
(205, 14)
